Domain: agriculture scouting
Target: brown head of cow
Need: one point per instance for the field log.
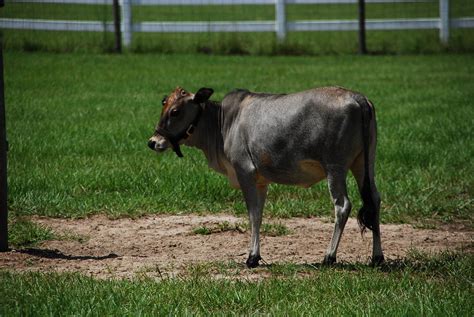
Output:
(180, 115)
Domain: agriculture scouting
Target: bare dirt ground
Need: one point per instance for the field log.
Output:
(160, 246)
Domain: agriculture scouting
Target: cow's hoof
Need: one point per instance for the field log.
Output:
(252, 261)
(329, 260)
(377, 261)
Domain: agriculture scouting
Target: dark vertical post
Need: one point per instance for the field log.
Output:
(3, 159)
(362, 45)
(117, 32)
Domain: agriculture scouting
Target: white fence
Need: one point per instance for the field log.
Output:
(280, 26)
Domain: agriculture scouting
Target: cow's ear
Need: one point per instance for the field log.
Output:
(203, 95)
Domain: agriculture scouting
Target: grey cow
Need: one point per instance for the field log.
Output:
(297, 139)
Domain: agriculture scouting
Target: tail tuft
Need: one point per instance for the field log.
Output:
(367, 215)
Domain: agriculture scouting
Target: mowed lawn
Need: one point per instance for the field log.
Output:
(421, 286)
(78, 125)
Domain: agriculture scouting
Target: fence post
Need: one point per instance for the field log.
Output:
(126, 22)
(362, 43)
(3, 159)
(280, 20)
(117, 33)
(444, 21)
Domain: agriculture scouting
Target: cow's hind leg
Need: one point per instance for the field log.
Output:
(342, 206)
(371, 201)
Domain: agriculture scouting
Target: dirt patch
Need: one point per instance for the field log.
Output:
(167, 245)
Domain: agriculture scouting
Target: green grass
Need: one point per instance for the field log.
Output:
(459, 8)
(78, 127)
(267, 229)
(275, 229)
(234, 12)
(221, 227)
(440, 286)
(25, 233)
(297, 43)
(202, 230)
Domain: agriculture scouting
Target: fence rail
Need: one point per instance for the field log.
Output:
(57, 25)
(216, 2)
(280, 26)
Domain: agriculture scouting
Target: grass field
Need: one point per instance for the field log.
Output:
(233, 12)
(297, 43)
(419, 286)
(78, 125)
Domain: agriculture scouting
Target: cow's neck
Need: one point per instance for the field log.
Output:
(208, 135)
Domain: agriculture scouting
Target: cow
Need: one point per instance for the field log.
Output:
(301, 138)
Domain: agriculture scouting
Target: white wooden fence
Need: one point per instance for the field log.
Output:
(280, 26)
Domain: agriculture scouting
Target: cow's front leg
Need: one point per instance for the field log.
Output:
(255, 195)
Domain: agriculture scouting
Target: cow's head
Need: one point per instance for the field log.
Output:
(181, 113)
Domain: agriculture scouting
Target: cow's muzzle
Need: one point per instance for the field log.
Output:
(151, 144)
(158, 144)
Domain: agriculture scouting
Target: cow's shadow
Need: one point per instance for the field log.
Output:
(56, 254)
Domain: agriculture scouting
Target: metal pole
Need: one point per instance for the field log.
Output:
(126, 22)
(280, 20)
(3, 159)
(117, 32)
(362, 44)
(444, 21)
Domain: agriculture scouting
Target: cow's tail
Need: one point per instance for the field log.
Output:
(368, 216)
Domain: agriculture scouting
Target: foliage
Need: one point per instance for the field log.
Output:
(268, 229)
(439, 286)
(78, 127)
(25, 233)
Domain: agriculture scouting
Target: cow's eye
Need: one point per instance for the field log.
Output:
(163, 101)
(183, 93)
(174, 112)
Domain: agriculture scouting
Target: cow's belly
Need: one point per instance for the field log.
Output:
(311, 172)
(303, 173)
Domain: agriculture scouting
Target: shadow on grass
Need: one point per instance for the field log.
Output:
(56, 254)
